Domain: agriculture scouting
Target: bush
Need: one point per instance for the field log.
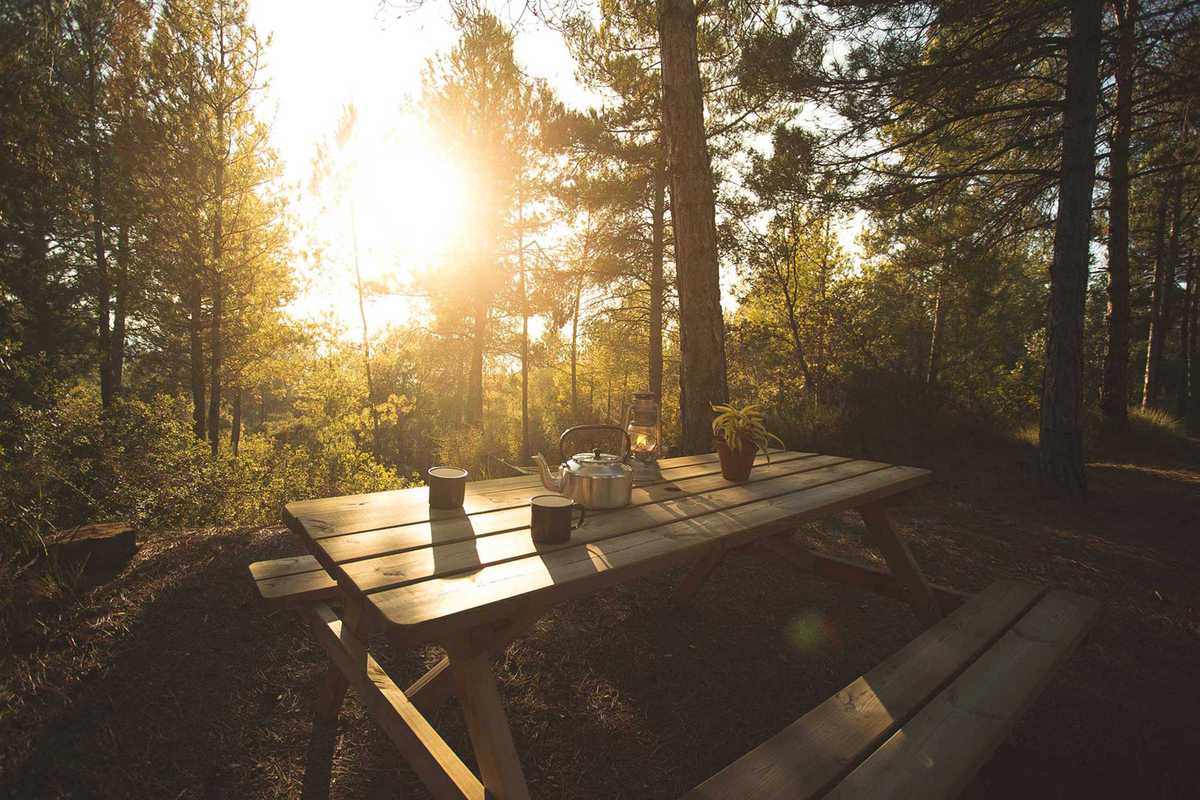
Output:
(69, 464)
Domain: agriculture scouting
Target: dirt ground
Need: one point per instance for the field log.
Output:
(173, 681)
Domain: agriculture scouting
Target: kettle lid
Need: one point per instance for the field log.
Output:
(597, 464)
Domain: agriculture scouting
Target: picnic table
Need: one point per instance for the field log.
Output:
(472, 580)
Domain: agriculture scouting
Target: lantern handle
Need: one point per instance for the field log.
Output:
(562, 453)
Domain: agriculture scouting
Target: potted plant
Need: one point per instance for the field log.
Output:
(740, 434)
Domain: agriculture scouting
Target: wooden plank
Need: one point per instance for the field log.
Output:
(431, 607)
(937, 752)
(899, 559)
(280, 567)
(815, 752)
(487, 725)
(433, 688)
(436, 685)
(305, 587)
(851, 573)
(463, 556)
(438, 767)
(334, 550)
(336, 516)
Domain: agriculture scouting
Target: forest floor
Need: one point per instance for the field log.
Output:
(172, 680)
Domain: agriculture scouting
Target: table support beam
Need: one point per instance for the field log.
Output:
(886, 538)
(851, 573)
(438, 766)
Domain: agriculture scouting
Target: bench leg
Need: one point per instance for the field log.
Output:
(331, 693)
(899, 559)
(318, 761)
(487, 724)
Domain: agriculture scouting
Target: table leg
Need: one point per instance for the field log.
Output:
(487, 724)
(331, 693)
(899, 559)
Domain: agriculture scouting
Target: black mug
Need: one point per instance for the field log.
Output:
(550, 518)
(447, 487)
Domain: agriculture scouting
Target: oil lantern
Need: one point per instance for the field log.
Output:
(645, 436)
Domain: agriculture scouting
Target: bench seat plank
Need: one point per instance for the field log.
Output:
(298, 579)
(939, 750)
(815, 752)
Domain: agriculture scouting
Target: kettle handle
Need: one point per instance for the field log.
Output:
(562, 455)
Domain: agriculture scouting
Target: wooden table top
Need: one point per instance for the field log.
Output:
(428, 572)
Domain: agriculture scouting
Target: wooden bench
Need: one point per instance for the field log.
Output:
(298, 580)
(924, 721)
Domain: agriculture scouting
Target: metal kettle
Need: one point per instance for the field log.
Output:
(593, 480)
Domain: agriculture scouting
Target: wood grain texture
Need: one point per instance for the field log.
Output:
(333, 550)
(437, 765)
(815, 752)
(294, 589)
(336, 516)
(439, 605)
(939, 750)
(280, 567)
(441, 560)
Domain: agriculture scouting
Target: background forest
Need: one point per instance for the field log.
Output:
(151, 367)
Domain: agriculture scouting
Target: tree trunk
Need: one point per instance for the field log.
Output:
(216, 345)
(575, 354)
(215, 354)
(657, 253)
(1158, 299)
(99, 247)
(1185, 342)
(235, 431)
(693, 219)
(475, 380)
(1114, 390)
(935, 333)
(1060, 442)
(116, 358)
(366, 337)
(524, 330)
(196, 354)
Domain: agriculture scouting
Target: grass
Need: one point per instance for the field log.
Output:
(172, 680)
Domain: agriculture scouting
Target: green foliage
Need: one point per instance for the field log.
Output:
(739, 426)
(139, 461)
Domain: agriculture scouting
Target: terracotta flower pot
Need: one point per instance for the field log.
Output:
(736, 464)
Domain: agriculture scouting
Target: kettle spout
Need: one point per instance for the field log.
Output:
(551, 479)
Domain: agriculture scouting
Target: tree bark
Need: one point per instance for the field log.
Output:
(693, 219)
(575, 354)
(524, 329)
(935, 333)
(196, 354)
(474, 413)
(235, 430)
(216, 349)
(657, 255)
(99, 246)
(1185, 342)
(1114, 390)
(116, 357)
(366, 337)
(1159, 295)
(1060, 442)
